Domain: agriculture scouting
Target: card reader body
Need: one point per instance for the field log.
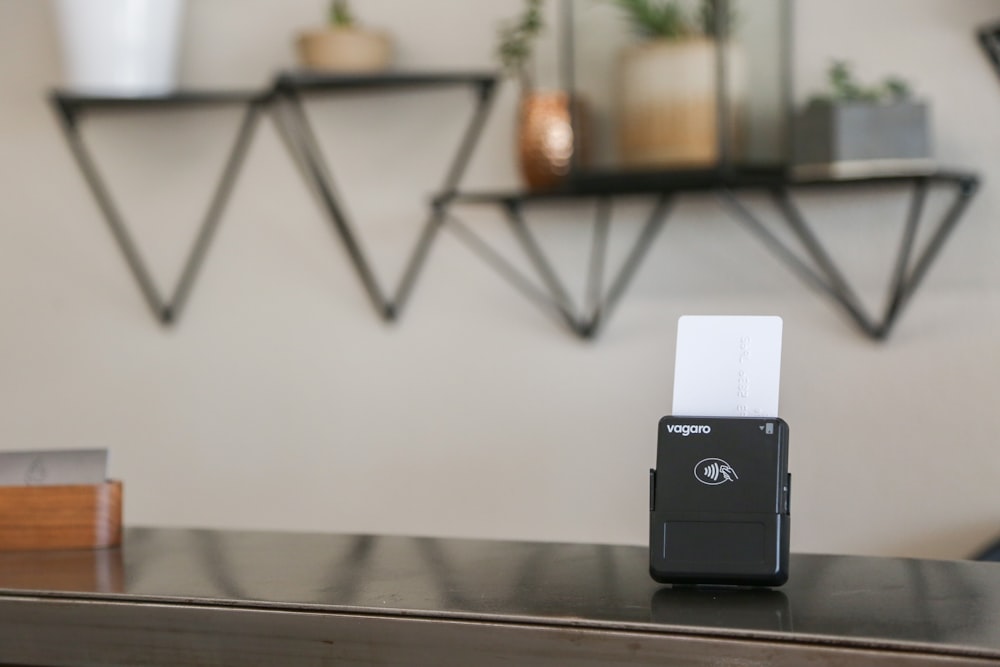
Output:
(719, 502)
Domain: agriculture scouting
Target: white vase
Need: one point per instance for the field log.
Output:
(668, 106)
(120, 47)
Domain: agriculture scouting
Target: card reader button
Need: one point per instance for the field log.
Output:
(788, 494)
(652, 490)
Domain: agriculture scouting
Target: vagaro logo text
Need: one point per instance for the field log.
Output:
(689, 429)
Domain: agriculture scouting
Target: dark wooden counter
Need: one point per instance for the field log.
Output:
(184, 597)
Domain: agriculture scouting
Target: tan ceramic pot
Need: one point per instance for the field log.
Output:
(545, 139)
(668, 112)
(345, 50)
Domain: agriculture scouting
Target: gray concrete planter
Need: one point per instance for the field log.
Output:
(858, 139)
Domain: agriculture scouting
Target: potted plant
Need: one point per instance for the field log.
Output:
(343, 45)
(668, 106)
(120, 47)
(854, 130)
(545, 132)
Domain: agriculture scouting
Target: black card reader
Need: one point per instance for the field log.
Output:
(719, 502)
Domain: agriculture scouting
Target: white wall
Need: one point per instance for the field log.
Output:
(280, 402)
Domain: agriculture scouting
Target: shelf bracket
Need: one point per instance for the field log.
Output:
(820, 271)
(166, 310)
(301, 141)
(553, 296)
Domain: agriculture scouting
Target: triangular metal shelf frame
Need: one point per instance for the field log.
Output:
(811, 261)
(585, 321)
(819, 270)
(166, 310)
(300, 139)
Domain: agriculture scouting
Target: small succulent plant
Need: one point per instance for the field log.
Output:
(845, 87)
(651, 19)
(656, 19)
(517, 41)
(340, 14)
(667, 19)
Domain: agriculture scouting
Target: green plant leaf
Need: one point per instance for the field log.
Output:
(515, 46)
(845, 88)
(897, 89)
(340, 14)
(656, 19)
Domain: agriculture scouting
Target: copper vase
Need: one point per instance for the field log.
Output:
(545, 139)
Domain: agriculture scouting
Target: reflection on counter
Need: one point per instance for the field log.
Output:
(84, 570)
(722, 608)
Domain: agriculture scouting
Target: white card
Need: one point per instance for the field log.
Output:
(48, 467)
(727, 366)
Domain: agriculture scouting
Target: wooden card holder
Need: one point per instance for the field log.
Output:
(60, 517)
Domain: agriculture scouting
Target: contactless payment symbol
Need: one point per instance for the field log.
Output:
(714, 472)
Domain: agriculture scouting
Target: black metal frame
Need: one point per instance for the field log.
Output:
(582, 174)
(302, 144)
(816, 268)
(285, 100)
(826, 276)
(70, 109)
(989, 39)
(600, 301)
(810, 261)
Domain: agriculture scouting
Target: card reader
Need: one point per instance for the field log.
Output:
(719, 502)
